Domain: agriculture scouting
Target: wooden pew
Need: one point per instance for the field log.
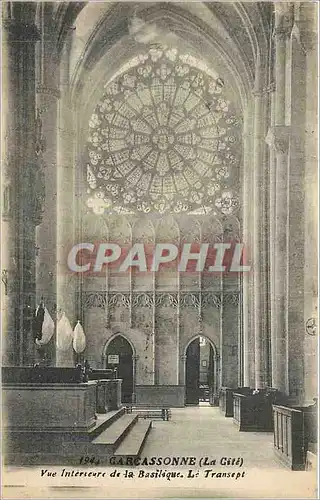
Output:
(254, 412)
(226, 398)
(295, 431)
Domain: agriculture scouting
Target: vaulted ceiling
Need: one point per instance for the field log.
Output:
(235, 35)
(124, 148)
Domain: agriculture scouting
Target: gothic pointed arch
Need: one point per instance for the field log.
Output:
(164, 137)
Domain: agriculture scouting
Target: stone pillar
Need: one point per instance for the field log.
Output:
(135, 360)
(302, 269)
(278, 139)
(259, 231)
(182, 370)
(306, 29)
(247, 326)
(66, 203)
(22, 181)
(296, 237)
(47, 95)
(272, 239)
(230, 336)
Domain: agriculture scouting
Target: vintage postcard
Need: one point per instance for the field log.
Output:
(159, 250)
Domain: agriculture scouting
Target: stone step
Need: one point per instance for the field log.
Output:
(133, 443)
(114, 434)
(104, 421)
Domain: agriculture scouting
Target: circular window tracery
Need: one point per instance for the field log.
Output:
(163, 139)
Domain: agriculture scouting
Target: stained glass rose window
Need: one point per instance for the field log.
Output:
(163, 138)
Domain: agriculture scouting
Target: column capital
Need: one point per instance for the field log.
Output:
(7, 202)
(306, 37)
(263, 91)
(284, 20)
(282, 32)
(48, 91)
(17, 31)
(278, 138)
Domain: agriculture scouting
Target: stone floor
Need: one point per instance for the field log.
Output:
(203, 431)
(192, 432)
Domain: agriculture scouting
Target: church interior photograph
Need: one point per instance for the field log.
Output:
(159, 293)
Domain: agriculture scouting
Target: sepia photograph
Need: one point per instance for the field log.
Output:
(159, 249)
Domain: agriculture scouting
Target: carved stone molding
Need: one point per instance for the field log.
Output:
(142, 299)
(306, 37)
(211, 299)
(119, 300)
(166, 299)
(283, 32)
(11, 281)
(20, 32)
(7, 202)
(105, 299)
(278, 138)
(263, 91)
(231, 298)
(284, 19)
(33, 192)
(94, 299)
(190, 299)
(271, 87)
(50, 91)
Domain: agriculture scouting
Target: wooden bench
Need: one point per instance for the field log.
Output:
(151, 413)
(295, 430)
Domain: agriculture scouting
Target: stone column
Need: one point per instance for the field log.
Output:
(47, 95)
(66, 203)
(306, 33)
(302, 67)
(259, 231)
(22, 182)
(182, 379)
(278, 139)
(247, 327)
(272, 239)
(296, 227)
(230, 335)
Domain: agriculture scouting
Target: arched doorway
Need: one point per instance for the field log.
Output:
(201, 378)
(119, 355)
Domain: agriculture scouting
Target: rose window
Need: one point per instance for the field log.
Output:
(163, 138)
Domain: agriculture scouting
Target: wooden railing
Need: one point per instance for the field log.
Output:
(294, 431)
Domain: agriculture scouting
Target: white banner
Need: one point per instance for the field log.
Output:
(79, 338)
(47, 328)
(64, 333)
